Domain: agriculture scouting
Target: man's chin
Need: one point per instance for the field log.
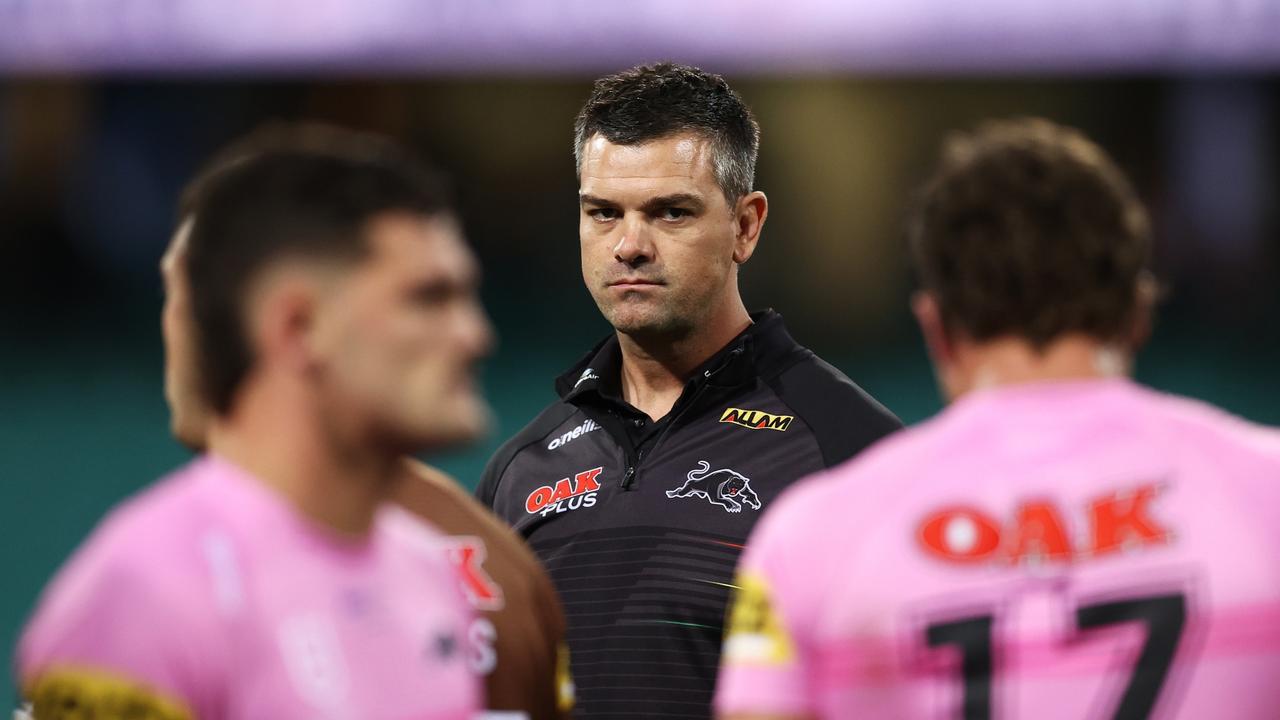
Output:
(455, 428)
(650, 326)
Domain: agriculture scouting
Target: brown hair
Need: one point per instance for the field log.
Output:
(1028, 229)
(648, 102)
(303, 192)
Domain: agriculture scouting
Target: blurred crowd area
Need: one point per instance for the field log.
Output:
(90, 172)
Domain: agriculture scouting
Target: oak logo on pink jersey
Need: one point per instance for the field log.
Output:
(567, 494)
(467, 554)
(1038, 530)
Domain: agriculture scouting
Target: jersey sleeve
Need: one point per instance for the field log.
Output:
(111, 640)
(766, 665)
(844, 418)
(552, 616)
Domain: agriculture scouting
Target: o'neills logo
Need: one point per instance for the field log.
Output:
(756, 420)
(565, 495)
(574, 434)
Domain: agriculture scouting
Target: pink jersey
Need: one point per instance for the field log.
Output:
(1081, 550)
(208, 596)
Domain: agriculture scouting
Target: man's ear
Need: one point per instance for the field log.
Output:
(283, 318)
(929, 317)
(1146, 294)
(749, 215)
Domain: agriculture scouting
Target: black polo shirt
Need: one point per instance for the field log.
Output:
(640, 523)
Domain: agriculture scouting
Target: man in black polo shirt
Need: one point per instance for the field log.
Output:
(638, 487)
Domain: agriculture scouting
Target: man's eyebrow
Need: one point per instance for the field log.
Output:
(650, 205)
(673, 200)
(593, 200)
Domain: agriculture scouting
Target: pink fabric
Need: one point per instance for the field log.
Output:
(212, 590)
(1023, 505)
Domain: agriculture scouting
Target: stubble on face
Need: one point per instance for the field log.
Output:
(406, 332)
(656, 234)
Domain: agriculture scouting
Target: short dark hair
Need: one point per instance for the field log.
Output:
(1027, 228)
(652, 101)
(285, 191)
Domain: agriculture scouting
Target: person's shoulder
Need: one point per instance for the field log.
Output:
(146, 534)
(539, 428)
(431, 494)
(1197, 421)
(530, 435)
(844, 418)
(147, 527)
(880, 469)
(124, 589)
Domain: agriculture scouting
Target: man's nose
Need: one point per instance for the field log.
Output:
(476, 330)
(634, 247)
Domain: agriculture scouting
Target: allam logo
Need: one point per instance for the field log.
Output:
(756, 420)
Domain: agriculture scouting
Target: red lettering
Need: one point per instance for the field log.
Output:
(960, 534)
(538, 499)
(467, 555)
(1118, 519)
(587, 481)
(564, 489)
(1038, 530)
(583, 482)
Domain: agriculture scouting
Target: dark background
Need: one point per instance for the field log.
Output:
(90, 171)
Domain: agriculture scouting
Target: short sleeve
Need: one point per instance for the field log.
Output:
(108, 637)
(767, 657)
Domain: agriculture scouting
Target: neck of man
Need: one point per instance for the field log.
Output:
(277, 434)
(1014, 361)
(655, 368)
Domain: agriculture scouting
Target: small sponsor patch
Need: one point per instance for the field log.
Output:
(755, 634)
(73, 692)
(756, 419)
(586, 375)
(566, 494)
(566, 693)
(574, 434)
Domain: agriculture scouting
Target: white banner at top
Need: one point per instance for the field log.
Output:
(580, 36)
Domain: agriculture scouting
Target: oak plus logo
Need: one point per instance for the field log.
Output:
(567, 494)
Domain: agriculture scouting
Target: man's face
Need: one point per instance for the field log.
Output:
(398, 339)
(188, 413)
(657, 234)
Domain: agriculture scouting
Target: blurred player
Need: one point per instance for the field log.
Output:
(516, 640)
(1060, 542)
(337, 324)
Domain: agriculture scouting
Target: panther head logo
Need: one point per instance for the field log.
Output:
(729, 489)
